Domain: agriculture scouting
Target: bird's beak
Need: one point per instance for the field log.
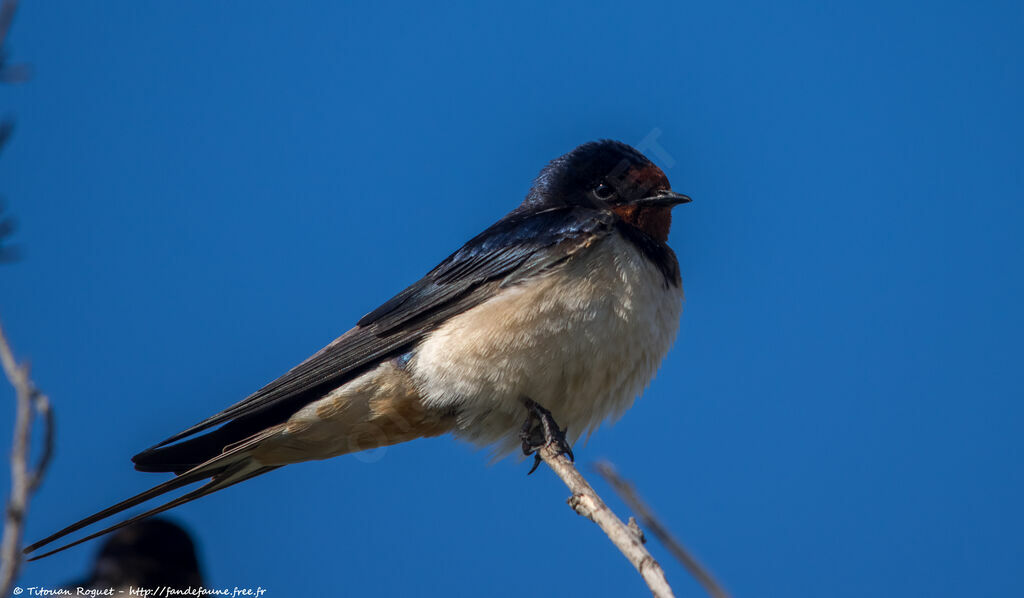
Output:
(664, 199)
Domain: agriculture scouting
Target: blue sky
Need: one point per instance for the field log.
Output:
(208, 192)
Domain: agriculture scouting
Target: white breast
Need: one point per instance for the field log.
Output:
(583, 341)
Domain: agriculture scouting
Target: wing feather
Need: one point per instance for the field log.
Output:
(518, 246)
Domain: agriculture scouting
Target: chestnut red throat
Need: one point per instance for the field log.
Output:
(655, 221)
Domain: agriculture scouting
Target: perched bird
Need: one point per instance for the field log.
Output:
(148, 554)
(559, 312)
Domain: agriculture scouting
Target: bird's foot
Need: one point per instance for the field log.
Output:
(540, 431)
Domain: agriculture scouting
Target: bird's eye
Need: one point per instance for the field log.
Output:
(604, 192)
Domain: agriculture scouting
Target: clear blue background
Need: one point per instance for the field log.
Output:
(208, 192)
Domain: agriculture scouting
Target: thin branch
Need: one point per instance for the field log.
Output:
(23, 480)
(628, 539)
(627, 492)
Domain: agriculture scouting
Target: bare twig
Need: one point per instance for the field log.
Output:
(627, 492)
(629, 540)
(24, 480)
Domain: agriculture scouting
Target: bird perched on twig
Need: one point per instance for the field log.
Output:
(559, 312)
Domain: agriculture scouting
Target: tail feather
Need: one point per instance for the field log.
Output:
(219, 482)
(185, 455)
(230, 467)
(168, 486)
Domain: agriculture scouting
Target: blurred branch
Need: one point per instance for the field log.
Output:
(627, 492)
(7, 253)
(24, 481)
(7, 9)
(9, 73)
(627, 538)
(29, 401)
(6, 128)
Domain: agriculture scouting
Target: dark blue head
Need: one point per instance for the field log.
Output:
(609, 175)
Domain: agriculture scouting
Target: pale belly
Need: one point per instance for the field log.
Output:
(583, 341)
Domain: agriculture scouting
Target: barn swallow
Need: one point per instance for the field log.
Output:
(559, 313)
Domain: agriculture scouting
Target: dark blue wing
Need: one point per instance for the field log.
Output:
(515, 247)
(495, 253)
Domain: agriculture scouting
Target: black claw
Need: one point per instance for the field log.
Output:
(536, 463)
(539, 431)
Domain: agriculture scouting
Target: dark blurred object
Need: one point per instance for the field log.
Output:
(7, 253)
(10, 73)
(148, 554)
(6, 128)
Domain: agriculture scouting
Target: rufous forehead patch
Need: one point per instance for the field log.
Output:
(648, 177)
